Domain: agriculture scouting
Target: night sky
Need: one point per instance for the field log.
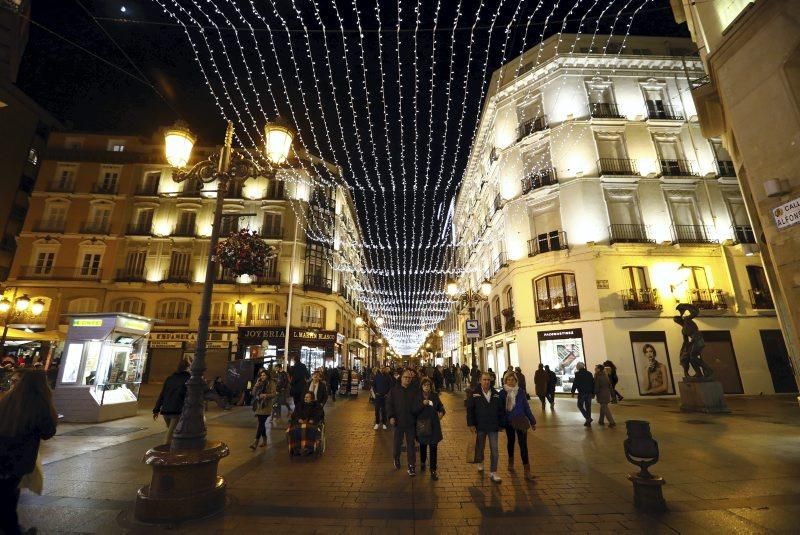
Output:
(401, 134)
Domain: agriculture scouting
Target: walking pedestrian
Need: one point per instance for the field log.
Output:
(381, 387)
(465, 374)
(438, 377)
(493, 377)
(540, 384)
(170, 401)
(518, 419)
(485, 417)
(298, 379)
(523, 382)
(27, 416)
(602, 389)
(264, 392)
(584, 384)
(429, 429)
(551, 386)
(458, 378)
(402, 406)
(319, 388)
(333, 381)
(282, 390)
(611, 370)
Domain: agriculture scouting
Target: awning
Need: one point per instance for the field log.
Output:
(358, 343)
(44, 336)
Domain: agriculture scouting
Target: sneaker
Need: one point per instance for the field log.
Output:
(494, 478)
(376, 426)
(397, 464)
(480, 467)
(434, 475)
(422, 467)
(384, 427)
(411, 470)
(588, 423)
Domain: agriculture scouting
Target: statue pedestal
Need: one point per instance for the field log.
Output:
(702, 394)
(647, 494)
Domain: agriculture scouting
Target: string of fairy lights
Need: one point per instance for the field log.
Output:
(391, 94)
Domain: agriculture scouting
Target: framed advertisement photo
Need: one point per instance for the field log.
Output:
(651, 363)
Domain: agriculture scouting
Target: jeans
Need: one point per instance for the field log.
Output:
(605, 412)
(585, 405)
(423, 454)
(380, 409)
(171, 421)
(411, 452)
(261, 430)
(9, 497)
(511, 435)
(480, 445)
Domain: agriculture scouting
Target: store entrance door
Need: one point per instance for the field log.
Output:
(312, 357)
(778, 362)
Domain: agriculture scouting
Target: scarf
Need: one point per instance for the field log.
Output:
(511, 397)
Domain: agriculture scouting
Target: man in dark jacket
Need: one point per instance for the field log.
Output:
(381, 386)
(298, 380)
(584, 384)
(551, 385)
(485, 415)
(402, 407)
(170, 401)
(333, 382)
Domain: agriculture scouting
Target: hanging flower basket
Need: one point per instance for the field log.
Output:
(244, 253)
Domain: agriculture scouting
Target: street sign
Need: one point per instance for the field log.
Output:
(787, 214)
(472, 329)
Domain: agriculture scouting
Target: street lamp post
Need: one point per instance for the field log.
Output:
(185, 484)
(15, 308)
(469, 298)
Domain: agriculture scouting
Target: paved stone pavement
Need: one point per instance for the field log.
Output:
(737, 473)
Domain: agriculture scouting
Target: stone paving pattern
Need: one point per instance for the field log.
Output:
(737, 473)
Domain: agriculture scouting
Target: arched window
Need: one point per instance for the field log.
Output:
(486, 316)
(556, 297)
(174, 311)
(313, 316)
(496, 323)
(338, 320)
(265, 314)
(83, 305)
(223, 314)
(129, 305)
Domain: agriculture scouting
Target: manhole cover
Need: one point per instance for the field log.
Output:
(101, 431)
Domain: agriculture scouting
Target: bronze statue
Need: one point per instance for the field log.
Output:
(693, 342)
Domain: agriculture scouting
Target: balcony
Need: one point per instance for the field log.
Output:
(317, 283)
(271, 233)
(487, 329)
(312, 322)
(139, 229)
(617, 166)
(150, 190)
(677, 168)
(223, 320)
(268, 279)
(175, 318)
(177, 277)
(60, 187)
(45, 225)
(555, 309)
(628, 233)
(531, 126)
(743, 234)
(500, 261)
(761, 299)
(725, 168)
(130, 275)
(555, 240)
(708, 299)
(498, 324)
(641, 299)
(104, 189)
(659, 111)
(691, 234)
(539, 179)
(54, 273)
(275, 192)
(104, 156)
(185, 231)
(95, 228)
(605, 110)
(510, 320)
(266, 322)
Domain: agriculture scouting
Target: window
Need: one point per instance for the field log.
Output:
(174, 311)
(638, 295)
(44, 263)
(223, 314)
(556, 297)
(265, 313)
(99, 218)
(318, 270)
(186, 223)
(82, 305)
(131, 306)
(134, 265)
(116, 145)
(272, 225)
(55, 216)
(73, 143)
(508, 313)
(109, 176)
(313, 316)
(149, 183)
(90, 265)
(33, 157)
(760, 296)
(496, 322)
(143, 221)
(179, 266)
(64, 179)
(275, 189)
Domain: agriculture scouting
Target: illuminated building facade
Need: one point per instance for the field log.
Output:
(594, 205)
(109, 230)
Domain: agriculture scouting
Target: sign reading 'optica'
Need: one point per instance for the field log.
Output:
(787, 214)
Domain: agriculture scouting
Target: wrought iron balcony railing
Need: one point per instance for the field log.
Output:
(500, 261)
(641, 299)
(538, 179)
(605, 110)
(318, 283)
(708, 299)
(557, 309)
(628, 233)
(54, 273)
(487, 328)
(617, 166)
(182, 277)
(691, 234)
(223, 320)
(148, 189)
(537, 124)
(104, 189)
(174, 318)
(555, 240)
(726, 168)
(130, 275)
(266, 322)
(677, 168)
(45, 225)
(271, 233)
(659, 110)
(58, 187)
(95, 228)
(498, 324)
(139, 229)
(744, 234)
(510, 320)
(761, 299)
(185, 231)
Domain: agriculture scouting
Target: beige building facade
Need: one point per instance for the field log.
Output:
(594, 205)
(110, 230)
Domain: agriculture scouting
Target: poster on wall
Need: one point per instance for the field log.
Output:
(652, 364)
(561, 351)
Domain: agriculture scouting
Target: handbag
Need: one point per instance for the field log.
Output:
(424, 428)
(520, 423)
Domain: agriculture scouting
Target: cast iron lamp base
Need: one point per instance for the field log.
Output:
(185, 484)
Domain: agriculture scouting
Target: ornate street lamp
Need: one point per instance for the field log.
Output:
(184, 484)
(469, 299)
(15, 309)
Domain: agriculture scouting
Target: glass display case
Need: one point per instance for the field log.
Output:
(102, 366)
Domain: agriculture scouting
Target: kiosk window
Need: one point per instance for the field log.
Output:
(72, 363)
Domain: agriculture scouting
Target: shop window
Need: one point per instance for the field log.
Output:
(131, 306)
(556, 297)
(174, 311)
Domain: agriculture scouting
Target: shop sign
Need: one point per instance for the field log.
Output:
(82, 322)
(472, 329)
(602, 284)
(787, 214)
(135, 325)
(218, 344)
(566, 333)
(340, 338)
(261, 334)
(318, 336)
(163, 344)
(183, 337)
